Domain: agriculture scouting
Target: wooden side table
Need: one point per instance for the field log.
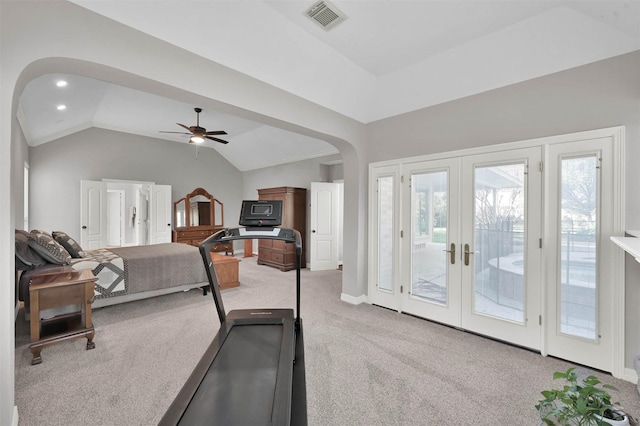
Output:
(227, 270)
(54, 290)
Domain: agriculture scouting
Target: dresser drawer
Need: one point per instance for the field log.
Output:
(226, 247)
(277, 257)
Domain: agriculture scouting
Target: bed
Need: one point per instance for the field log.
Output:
(124, 273)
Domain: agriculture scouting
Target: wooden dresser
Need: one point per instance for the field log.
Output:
(277, 253)
(196, 217)
(195, 236)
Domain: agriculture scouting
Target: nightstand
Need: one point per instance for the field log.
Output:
(55, 290)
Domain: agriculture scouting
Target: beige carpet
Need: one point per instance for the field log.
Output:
(365, 365)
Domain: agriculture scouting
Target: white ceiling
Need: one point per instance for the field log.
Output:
(387, 58)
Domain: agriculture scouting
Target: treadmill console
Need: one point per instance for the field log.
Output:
(261, 213)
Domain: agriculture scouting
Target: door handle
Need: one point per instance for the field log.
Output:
(84, 227)
(452, 252)
(466, 254)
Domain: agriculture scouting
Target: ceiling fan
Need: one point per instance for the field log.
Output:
(199, 134)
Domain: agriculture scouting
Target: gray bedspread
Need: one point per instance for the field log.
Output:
(161, 266)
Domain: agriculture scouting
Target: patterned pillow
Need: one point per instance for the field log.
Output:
(48, 248)
(26, 258)
(68, 243)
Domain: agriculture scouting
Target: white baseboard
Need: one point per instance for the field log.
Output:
(353, 299)
(14, 422)
(630, 375)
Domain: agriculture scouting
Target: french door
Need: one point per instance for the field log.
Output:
(469, 228)
(581, 272)
(512, 244)
(385, 247)
(431, 264)
(501, 254)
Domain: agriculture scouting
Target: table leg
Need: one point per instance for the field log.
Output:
(90, 343)
(88, 321)
(35, 326)
(37, 359)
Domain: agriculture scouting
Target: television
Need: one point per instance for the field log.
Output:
(261, 213)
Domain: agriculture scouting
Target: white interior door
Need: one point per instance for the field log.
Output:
(115, 217)
(160, 214)
(142, 215)
(93, 214)
(580, 299)
(430, 247)
(324, 226)
(501, 253)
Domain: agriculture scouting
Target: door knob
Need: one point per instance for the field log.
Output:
(313, 231)
(466, 254)
(84, 227)
(452, 252)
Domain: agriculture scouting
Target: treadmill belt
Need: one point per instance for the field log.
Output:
(239, 387)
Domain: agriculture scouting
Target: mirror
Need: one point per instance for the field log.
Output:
(217, 214)
(200, 214)
(198, 209)
(181, 213)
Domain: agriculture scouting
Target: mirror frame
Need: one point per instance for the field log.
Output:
(215, 222)
(182, 200)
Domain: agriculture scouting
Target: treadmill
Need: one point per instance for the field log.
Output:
(253, 371)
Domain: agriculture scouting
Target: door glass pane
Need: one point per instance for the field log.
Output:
(499, 233)
(578, 247)
(385, 233)
(429, 236)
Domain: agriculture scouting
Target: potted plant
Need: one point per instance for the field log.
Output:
(585, 402)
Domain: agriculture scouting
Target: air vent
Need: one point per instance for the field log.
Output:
(325, 14)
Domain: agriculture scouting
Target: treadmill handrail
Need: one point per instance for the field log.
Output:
(251, 233)
(248, 233)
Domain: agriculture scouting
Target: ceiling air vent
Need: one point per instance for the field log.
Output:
(325, 14)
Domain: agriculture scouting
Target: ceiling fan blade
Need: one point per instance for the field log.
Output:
(216, 139)
(178, 133)
(182, 125)
(216, 132)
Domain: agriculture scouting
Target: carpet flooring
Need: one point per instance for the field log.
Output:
(365, 365)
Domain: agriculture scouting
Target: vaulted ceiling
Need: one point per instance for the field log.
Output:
(387, 57)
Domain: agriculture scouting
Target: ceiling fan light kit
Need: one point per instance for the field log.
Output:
(199, 134)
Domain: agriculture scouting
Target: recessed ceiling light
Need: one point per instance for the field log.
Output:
(61, 107)
(61, 83)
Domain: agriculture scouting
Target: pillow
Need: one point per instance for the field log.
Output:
(48, 248)
(68, 243)
(26, 257)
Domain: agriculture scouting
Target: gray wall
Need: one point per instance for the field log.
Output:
(599, 95)
(20, 157)
(58, 167)
(299, 175)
